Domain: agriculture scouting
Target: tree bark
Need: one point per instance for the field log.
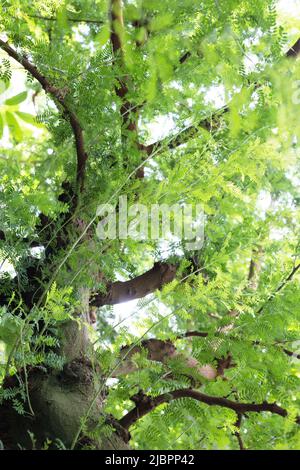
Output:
(140, 286)
(60, 399)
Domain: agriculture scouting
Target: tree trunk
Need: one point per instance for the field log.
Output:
(60, 400)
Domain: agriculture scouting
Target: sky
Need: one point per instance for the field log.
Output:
(289, 7)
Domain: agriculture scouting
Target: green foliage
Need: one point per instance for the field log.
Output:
(243, 170)
(10, 114)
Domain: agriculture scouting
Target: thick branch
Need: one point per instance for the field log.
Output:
(164, 351)
(150, 281)
(145, 404)
(59, 96)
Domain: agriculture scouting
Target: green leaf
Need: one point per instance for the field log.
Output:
(9, 328)
(161, 22)
(14, 126)
(3, 86)
(62, 18)
(26, 117)
(17, 99)
(103, 36)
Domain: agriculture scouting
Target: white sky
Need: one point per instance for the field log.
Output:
(289, 7)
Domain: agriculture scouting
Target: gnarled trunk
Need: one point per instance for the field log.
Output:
(60, 401)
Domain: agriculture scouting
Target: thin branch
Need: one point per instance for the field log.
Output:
(31, 243)
(291, 353)
(185, 57)
(59, 96)
(208, 124)
(254, 268)
(238, 432)
(203, 334)
(294, 51)
(72, 20)
(145, 404)
(280, 287)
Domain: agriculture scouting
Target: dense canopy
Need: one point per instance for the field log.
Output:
(177, 102)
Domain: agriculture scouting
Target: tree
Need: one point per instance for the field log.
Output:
(212, 361)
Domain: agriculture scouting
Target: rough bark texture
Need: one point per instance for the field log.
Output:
(60, 399)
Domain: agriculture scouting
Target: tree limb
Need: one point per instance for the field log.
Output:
(164, 351)
(203, 334)
(72, 20)
(294, 51)
(128, 111)
(280, 287)
(238, 433)
(171, 143)
(140, 286)
(117, 27)
(59, 96)
(144, 404)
